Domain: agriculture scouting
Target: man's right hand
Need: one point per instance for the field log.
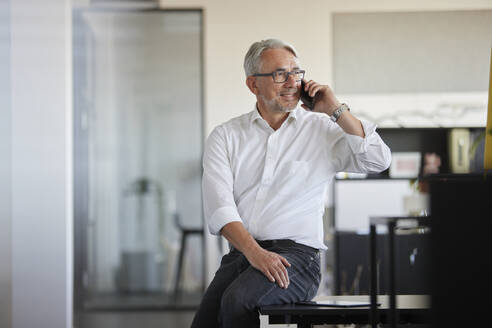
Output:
(271, 264)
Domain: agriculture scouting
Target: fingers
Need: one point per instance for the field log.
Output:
(281, 276)
(280, 279)
(284, 261)
(314, 89)
(273, 266)
(284, 266)
(311, 87)
(269, 276)
(285, 276)
(325, 98)
(280, 272)
(308, 84)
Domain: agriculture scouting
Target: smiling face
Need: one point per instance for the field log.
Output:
(276, 97)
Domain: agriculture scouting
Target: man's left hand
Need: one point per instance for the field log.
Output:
(325, 100)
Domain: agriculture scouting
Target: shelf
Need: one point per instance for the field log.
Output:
(423, 140)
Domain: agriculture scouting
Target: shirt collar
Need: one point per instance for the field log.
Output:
(255, 115)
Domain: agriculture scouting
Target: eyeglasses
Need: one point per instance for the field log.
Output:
(282, 76)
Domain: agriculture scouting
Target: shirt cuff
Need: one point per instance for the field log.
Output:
(221, 217)
(357, 144)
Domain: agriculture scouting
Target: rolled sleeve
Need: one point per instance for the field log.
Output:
(217, 184)
(359, 145)
(367, 155)
(221, 217)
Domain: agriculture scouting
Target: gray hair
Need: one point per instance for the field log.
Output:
(252, 60)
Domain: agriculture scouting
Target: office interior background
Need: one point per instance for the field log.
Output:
(105, 106)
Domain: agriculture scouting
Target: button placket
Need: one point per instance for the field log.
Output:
(269, 160)
(266, 178)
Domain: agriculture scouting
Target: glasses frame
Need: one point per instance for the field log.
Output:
(272, 74)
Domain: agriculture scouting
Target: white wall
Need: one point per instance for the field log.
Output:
(41, 135)
(231, 26)
(5, 158)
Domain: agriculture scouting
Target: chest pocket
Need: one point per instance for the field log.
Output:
(291, 178)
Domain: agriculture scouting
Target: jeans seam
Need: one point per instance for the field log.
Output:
(267, 293)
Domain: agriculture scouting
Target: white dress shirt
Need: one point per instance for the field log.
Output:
(274, 182)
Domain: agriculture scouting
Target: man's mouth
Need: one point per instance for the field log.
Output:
(289, 93)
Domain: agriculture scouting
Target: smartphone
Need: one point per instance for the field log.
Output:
(306, 98)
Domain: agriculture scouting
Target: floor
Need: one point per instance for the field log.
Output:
(142, 301)
(171, 319)
(146, 310)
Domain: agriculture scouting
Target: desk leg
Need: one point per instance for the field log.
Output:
(374, 276)
(392, 274)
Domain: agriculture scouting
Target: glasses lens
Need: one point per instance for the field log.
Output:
(281, 77)
(298, 75)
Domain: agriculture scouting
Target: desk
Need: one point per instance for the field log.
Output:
(411, 308)
(391, 223)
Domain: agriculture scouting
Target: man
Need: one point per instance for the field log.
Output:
(265, 177)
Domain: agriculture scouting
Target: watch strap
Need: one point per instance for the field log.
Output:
(336, 114)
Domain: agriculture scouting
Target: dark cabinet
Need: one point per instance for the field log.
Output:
(352, 263)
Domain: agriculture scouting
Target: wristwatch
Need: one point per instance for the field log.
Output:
(336, 114)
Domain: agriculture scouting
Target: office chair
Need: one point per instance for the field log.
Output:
(185, 233)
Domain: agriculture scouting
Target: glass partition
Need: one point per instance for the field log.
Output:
(138, 146)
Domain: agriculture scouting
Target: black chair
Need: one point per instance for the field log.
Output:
(185, 233)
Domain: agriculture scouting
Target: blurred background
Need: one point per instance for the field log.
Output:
(105, 106)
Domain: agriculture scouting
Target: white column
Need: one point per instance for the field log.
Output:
(41, 193)
(5, 158)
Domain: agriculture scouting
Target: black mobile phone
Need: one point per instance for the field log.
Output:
(306, 98)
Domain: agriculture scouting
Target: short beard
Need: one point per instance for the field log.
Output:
(276, 107)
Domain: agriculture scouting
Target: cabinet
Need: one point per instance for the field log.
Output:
(352, 263)
(460, 271)
(356, 200)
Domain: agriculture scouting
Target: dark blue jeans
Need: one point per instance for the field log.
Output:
(238, 289)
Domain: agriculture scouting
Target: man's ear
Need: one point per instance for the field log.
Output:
(251, 83)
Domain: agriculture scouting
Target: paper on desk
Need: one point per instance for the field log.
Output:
(336, 303)
(346, 303)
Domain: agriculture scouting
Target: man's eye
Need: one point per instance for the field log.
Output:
(280, 73)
